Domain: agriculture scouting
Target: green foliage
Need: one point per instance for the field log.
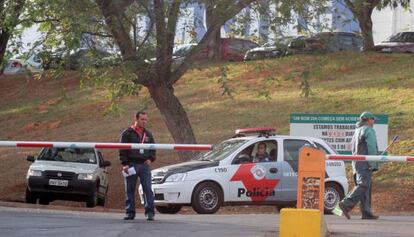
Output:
(268, 85)
(223, 81)
(304, 85)
(119, 83)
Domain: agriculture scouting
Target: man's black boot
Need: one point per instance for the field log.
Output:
(369, 216)
(129, 217)
(150, 216)
(344, 210)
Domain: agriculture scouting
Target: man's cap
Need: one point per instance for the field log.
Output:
(367, 115)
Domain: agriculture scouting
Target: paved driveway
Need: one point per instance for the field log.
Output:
(16, 222)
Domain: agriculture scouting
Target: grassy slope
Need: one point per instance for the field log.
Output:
(341, 83)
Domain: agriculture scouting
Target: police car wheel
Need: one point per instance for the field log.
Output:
(171, 209)
(333, 194)
(207, 198)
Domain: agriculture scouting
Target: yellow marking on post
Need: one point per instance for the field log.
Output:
(301, 223)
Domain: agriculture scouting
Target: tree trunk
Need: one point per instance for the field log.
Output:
(6, 30)
(4, 39)
(174, 117)
(214, 45)
(365, 23)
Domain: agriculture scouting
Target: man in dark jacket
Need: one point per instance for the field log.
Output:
(364, 142)
(136, 163)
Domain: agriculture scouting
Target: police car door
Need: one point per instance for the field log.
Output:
(255, 181)
(289, 180)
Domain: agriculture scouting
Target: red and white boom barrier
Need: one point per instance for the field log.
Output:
(145, 146)
(371, 158)
(204, 147)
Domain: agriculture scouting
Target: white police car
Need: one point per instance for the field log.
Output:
(227, 175)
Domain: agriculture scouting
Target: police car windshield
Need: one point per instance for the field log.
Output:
(222, 150)
(85, 155)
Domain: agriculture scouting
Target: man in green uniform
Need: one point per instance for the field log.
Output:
(364, 142)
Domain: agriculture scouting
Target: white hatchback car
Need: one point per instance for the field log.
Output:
(77, 174)
(227, 175)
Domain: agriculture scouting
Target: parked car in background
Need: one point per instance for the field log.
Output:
(51, 60)
(67, 174)
(87, 56)
(324, 42)
(33, 64)
(402, 42)
(330, 42)
(182, 50)
(275, 49)
(232, 49)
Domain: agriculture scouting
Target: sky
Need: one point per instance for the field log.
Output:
(29, 36)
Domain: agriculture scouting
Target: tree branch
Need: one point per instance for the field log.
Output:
(160, 27)
(113, 18)
(171, 26)
(151, 17)
(351, 7)
(147, 35)
(221, 16)
(100, 34)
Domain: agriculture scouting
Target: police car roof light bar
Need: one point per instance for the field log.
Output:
(262, 131)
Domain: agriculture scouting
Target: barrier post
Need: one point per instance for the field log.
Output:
(311, 179)
(307, 220)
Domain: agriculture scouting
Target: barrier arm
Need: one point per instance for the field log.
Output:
(146, 146)
(380, 158)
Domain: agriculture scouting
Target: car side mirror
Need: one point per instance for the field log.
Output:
(105, 163)
(30, 158)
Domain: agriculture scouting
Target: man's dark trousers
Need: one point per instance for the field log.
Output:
(144, 174)
(361, 192)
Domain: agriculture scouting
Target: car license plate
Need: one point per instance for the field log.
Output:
(58, 182)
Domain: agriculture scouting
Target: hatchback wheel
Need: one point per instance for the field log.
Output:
(30, 197)
(92, 200)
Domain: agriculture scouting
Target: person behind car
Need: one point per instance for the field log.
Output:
(261, 155)
(364, 142)
(140, 160)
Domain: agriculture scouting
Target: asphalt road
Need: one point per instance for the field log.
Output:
(15, 222)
